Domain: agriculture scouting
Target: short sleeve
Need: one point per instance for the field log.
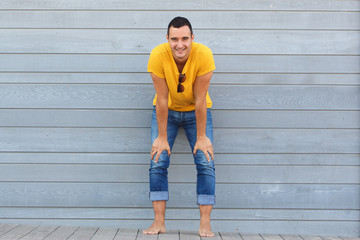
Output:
(155, 64)
(206, 62)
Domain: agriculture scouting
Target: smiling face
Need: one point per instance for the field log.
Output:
(180, 40)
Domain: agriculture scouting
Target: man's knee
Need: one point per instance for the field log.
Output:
(201, 159)
(162, 163)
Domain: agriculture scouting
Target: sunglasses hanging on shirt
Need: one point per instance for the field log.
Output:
(182, 79)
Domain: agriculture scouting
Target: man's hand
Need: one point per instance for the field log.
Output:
(204, 144)
(159, 145)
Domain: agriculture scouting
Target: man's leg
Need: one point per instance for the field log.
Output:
(205, 227)
(158, 193)
(205, 186)
(158, 174)
(206, 193)
(158, 225)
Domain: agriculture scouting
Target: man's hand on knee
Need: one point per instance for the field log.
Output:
(159, 145)
(204, 144)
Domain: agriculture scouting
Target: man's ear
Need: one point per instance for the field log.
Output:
(167, 37)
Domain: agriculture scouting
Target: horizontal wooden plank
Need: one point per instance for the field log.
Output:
(198, 19)
(350, 238)
(141, 236)
(337, 5)
(181, 159)
(335, 228)
(331, 237)
(291, 237)
(83, 233)
(309, 237)
(251, 236)
(75, 118)
(185, 214)
(61, 95)
(105, 233)
(40, 232)
(254, 196)
(230, 236)
(285, 97)
(18, 232)
(271, 237)
(140, 96)
(103, 78)
(4, 228)
(293, 141)
(142, 118)
(217, 79)
(268, 79)
(138, 140)
(126, 233)
(62, 232)
(171, 235)
(179, 173)
(138, 63)
(285, 119)
(275, 64)
(142, 41)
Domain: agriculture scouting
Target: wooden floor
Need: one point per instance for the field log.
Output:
(32, 232)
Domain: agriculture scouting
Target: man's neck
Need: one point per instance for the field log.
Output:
(180, 64)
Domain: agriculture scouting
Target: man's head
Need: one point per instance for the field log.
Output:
(180, 37)
(179, 22)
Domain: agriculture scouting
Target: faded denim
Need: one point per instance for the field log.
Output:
(205, 186)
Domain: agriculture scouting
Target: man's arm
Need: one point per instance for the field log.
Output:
(161, 143)
(201, 87)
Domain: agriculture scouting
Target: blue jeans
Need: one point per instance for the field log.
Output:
(205, 185)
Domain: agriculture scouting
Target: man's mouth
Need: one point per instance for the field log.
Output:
(180, 50)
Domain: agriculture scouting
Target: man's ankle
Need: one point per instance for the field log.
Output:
(205, 219)
(159, 219)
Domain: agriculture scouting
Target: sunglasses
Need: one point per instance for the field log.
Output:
(182, 79)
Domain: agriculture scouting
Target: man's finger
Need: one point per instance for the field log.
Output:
(152, 152)
(152, 155)
(206, 153)
(157, 157)
(207, 156)
(212, 154)
(194, 152)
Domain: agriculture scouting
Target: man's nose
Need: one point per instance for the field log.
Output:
(180, 44)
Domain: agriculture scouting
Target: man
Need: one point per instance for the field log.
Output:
(181, 71)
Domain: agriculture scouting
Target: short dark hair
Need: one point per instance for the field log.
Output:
(179, 22)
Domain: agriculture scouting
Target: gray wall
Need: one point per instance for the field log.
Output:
(75, 108)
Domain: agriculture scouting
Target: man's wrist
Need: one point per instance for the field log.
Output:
(200, 136)
(162, 136)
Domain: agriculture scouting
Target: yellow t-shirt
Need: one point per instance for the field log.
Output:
(162, 64)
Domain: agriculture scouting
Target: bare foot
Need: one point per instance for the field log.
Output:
(155, 228)
(205, 229)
